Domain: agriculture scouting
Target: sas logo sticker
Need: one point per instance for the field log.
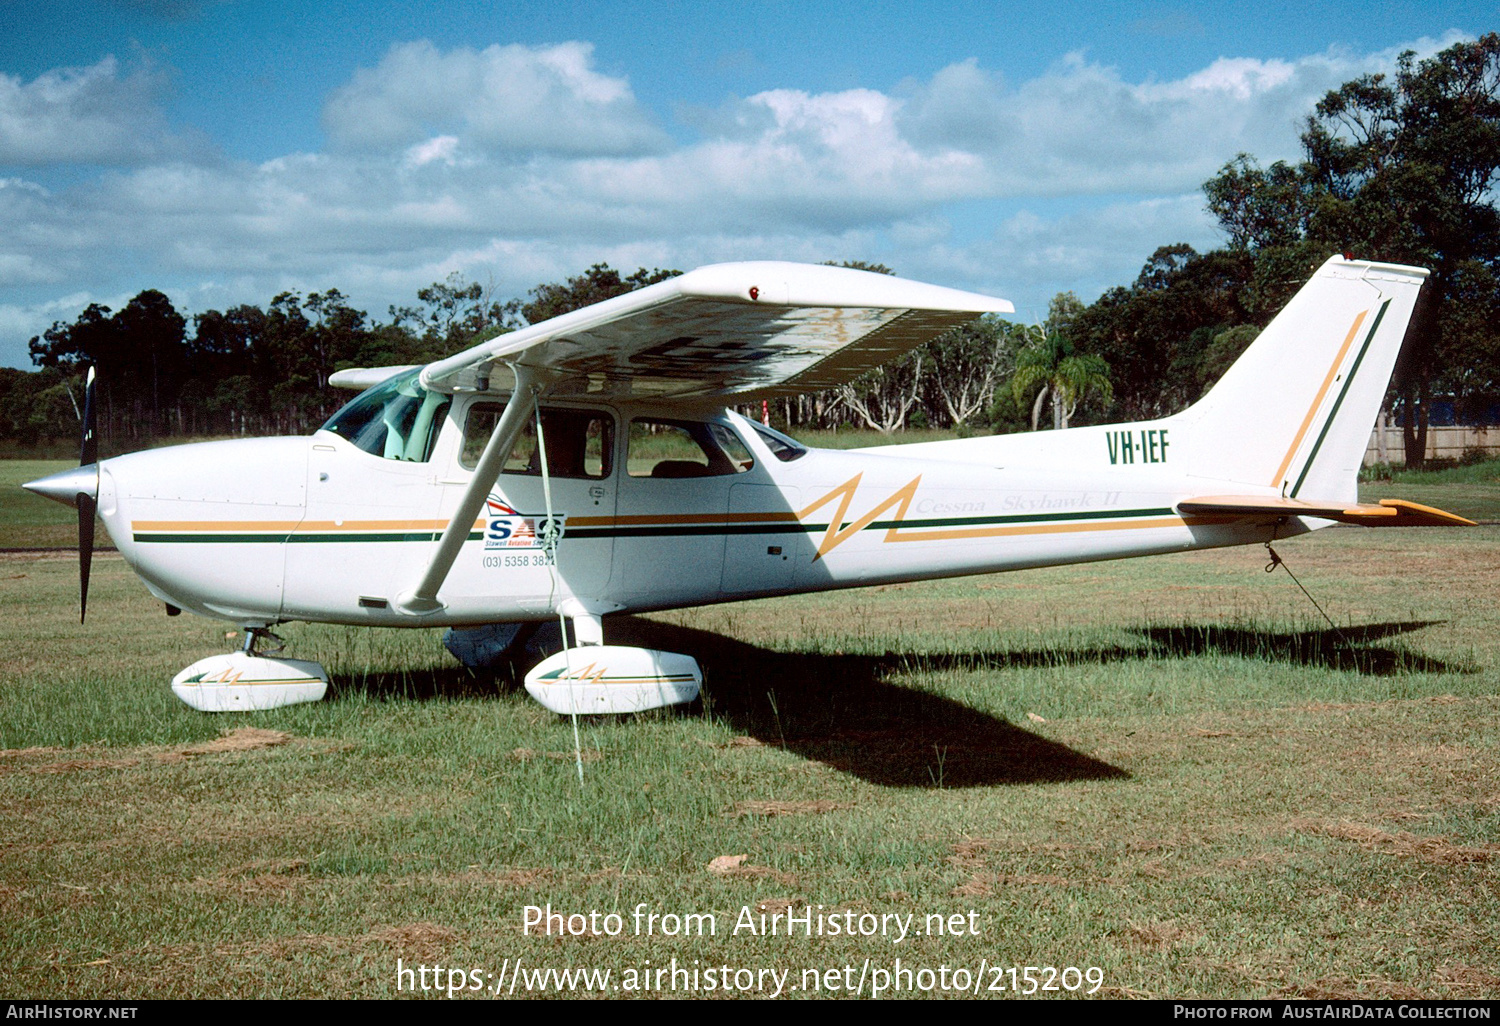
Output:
(507, 528)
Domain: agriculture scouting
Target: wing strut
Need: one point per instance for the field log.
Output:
(422, 600)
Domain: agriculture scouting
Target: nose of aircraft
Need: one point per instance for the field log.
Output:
(66, 485)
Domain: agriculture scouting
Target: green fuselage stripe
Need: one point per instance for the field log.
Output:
(633, 678)
(662, 531)
(279, 537)
(268, 680)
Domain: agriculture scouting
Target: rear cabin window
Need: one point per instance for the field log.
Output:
(783, 448)
(732, 446)
(580, 443)
(682, 448)
(397, 419)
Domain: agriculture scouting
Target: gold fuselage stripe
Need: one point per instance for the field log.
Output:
(893, 534)
(315, 526)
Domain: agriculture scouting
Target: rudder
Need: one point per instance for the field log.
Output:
(1295, 411)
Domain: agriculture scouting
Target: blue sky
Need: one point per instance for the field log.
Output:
(226, 150)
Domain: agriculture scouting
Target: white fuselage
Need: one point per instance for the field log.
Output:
(264, 530)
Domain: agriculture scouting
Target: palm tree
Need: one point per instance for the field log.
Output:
(1065, 378)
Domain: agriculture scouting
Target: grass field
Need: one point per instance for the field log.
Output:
(1168, 769)
(30, 521)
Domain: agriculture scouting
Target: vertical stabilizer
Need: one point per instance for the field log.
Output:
(1295, 412)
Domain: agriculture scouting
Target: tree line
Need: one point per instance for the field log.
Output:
(1400, 168)
(251, 369)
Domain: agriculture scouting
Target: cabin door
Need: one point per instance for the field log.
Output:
(512, 563)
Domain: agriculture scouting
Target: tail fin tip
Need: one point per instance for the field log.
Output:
(1295, 411)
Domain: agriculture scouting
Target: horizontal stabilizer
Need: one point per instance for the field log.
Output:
(1269, 509)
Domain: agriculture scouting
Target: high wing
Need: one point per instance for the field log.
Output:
(738, 331)
(1269, 509)
(726, 332)
(359, 378)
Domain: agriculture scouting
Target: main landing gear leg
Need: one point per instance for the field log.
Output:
(262, 641)
(588, 629)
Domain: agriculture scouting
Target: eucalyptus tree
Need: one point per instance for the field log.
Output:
(1400, 168)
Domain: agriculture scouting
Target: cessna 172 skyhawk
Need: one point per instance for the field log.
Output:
(587, 465)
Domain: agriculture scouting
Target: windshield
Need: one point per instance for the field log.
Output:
(397, 419)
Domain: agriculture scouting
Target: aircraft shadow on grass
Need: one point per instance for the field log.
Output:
(1344, 648)
(842, 710)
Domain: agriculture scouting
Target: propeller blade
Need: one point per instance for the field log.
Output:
(86, 507)
(88, 455)
(88, 452)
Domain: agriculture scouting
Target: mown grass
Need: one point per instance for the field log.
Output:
(30, 521)
(1172, 769)
(65, 449)
(1475, 487)
(1479, 471)
(864, 438)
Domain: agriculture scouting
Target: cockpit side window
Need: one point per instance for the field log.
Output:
(397, 419)
(580, 443)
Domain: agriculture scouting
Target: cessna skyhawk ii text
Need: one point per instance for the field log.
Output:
(586, 466)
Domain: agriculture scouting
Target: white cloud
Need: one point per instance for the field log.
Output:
(1081, 128)
(515, 98)
(21, 322)
(1240, 77)
(439, 147)
(516, 165)
(93, 115)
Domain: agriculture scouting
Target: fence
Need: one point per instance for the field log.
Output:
(1445, 443)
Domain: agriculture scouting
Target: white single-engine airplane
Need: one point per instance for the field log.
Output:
(586, 465)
